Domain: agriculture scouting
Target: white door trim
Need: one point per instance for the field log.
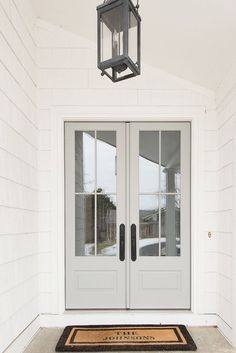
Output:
(194, 115)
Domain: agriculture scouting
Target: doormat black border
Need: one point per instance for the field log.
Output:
(61, 347)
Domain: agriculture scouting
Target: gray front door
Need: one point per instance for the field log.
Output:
(160, 211)
(127, 215)
(95, 209)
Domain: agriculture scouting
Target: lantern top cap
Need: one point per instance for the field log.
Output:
(119, 2)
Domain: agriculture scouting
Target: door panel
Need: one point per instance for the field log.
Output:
(95, 207)
(160, 209)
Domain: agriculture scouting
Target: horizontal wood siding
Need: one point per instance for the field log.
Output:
(19, 249)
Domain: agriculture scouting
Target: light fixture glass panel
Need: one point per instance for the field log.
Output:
(106, 47)
(112, 33)
(133, 38)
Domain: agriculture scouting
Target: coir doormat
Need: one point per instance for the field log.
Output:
(125, 338)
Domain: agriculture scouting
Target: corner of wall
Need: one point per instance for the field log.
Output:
(226, 113)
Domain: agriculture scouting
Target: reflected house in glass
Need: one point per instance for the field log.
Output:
(160, 193)
(106, 222)
(118, 39)
(149, 231)
(95, 201)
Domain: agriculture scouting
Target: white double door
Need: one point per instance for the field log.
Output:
(127, 215)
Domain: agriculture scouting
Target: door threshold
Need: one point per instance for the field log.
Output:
(118, 317)
(123, 311)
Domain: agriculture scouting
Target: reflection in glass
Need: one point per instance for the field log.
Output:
(84, 161)
(84, 225)
(170, 160)
(170, 225)
(106, 161)
(148, 225)
(149, 161)
(106, 225)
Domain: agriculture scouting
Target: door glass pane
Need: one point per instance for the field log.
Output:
(106, 225)
(84, 225)
(170, 225)
(170, 160)
(149, 168)
(84, 161)
(106, 161)
(148, 225)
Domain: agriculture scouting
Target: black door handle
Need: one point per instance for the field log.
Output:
(133, 243)
(122, 242)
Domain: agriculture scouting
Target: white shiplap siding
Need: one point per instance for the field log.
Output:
(226, 114)
(19, 290)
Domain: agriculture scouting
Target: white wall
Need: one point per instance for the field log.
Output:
(68, 78)
(18, 170)
(210, 206)
(226, 113)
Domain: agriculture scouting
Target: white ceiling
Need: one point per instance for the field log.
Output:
(192, 39)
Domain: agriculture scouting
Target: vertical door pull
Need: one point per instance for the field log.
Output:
(122, 242)
(133, 243)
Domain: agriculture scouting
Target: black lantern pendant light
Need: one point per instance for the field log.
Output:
(119, 39)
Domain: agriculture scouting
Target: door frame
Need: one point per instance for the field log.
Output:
(60, 115)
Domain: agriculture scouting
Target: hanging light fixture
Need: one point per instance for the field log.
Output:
(118, 39)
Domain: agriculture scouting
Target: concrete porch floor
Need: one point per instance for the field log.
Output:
(207, 339)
